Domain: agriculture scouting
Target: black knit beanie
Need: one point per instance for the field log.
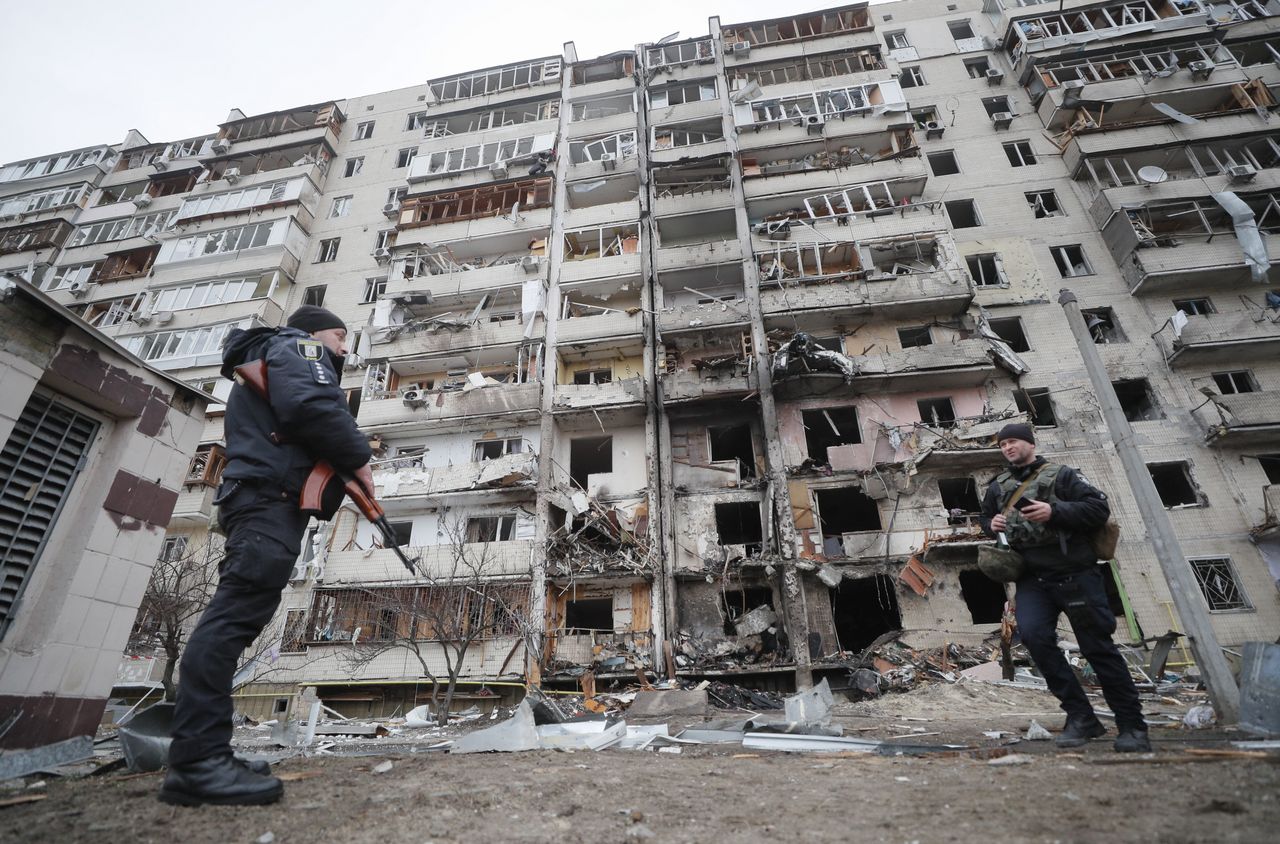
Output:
(1016, 431)
(309, 318)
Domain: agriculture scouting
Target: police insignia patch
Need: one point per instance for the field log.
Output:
(311, 349)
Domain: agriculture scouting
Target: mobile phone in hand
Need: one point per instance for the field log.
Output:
(1024, 501)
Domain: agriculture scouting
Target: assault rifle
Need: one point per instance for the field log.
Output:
(323, 478)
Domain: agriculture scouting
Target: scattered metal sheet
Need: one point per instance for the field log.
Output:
(580, 735)
(711, 736)
(19, 763)
(1170, 111)
(641, 736)
(516, 733)
(340, 729)
(812, 706)
(1246, 226)
(793, 743)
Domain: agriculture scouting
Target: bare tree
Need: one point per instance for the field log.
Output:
(441, 615)
(182, 583)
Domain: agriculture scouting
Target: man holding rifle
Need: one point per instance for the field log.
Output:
(273, 443)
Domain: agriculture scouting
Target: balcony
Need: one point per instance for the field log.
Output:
(513, 558)
(49, 234)
(306, 125)
(451, 274)
(1225, 338)
(395, 481)
(1224, 163)
(1270, 527)
(711, 380)
(477, 212)
(1038, 34)
(1128, 104)
(699, 316)
(193, 507)
(448, 333)
(939, 291)
(812, 168)
(1244, 419)
(594, 325)
(445, 410)
(964, 363)
(670, 258)
(621, 393)
(843, 28)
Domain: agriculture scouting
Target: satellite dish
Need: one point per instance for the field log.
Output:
(1152, 175)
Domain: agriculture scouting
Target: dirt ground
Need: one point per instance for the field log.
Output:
(721, 792)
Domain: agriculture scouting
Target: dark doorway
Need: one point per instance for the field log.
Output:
(589, 456)
(960, 497)
(983, 596)
(739, 602)
(738, 523)
(733, 442)
(863, 610)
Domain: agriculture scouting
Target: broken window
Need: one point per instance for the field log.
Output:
(916, 335)
(1020, 153)
(1136, 399)
(733, 442)
(738, 602)
(808, 68)
(182, 343)
(1219, 584)
(815, 108)
(814, 25)
(341, 206)
(672, 136)
(314, 295)
(864, 609)
(1011, 331)
(897, 40)
(943, 163)
(587, 614)
(977, 68)
(1071, 260)
(493, 80)
(374, 288)
(1044, 203)
(491, 528)
(986, 270)
(1270, 467)
(506, 199)
(1174, 484)
(589, 456)
(593, 376)
(960, 30)
(1103, 325)
(996, 105)
(963, 213)
(926, 117)
(700, 90)
(1035, 403)
(738, 523)
(912, 77)
(683, 52)
(844, 510)
(983, 596)
(121, 228)
(353, 166)
(328, 250)
(1236, 381)
(207, 465)
(493, 449)
(830, 427)
(604, 69)
(960, 499)
(937, 412)
(116, 193)
(405, 157)
(364, 131)
(1195, 307)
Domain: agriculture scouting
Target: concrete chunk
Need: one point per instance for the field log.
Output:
(664, 703)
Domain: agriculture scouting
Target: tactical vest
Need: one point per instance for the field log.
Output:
(1021, 532)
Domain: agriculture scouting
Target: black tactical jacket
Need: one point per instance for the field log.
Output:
(308, 411)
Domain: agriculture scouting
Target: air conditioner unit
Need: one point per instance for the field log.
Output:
(609, 161)
(391, 210)
(142, 200)
(1073, 84)
(498, 169)
(382, 255)
(231, 174)
(1242, 173)
(1002, 119)
(222, 145)
(813, 124)
(80, 288)
(994, 76)
(413, 398)
(161, 164)
(163, 317)
(933, 129)
(299, 572)
(530, 263)
(742, 49)
(140, 319)
(1201, 69)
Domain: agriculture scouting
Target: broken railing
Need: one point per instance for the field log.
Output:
(1124, 64)
(1072, 26)
(799, 27)
(808, 68)
(1240, 158)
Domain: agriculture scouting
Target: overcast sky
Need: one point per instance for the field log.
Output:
(84, 72)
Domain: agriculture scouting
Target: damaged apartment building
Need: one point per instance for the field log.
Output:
(688, 359)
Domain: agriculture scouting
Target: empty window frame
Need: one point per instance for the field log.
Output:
(912, 77)
(844, 510)
(702, 90)
(588, 614)
(960, 30)
(897, 40)
(1219, 584)
(963, 213)
(353, 166)
(733, 442)
(231, 201)
(120, 229)
(1175, 485)
(828, 428)
(1020, 153)
(405, 157)
(1137, 400)
(396, 195)
(1044, 203)
(1195, 307)
(1103, 325)
(491, 528)
(374, 288)
(986, 270)
(1235, 381)
(943, 163)
(1035, 402)
(738, 523)
(364, 131)
(341, 207)
(385, 240)
(915, 335)
(493, 449)
(593, 376)
(977, 68)
(937, 412)
(589, 456)
(225, 240)
(997, 105)
(493, 80)
(1071, 260)
(1012, 331)
(314, 295)
(328, 250)
(960, 499)
(206, 465)
(182, 343)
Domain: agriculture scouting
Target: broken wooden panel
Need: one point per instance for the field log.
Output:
(490, 200)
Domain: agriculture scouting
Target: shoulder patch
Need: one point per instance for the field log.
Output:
(310, 349)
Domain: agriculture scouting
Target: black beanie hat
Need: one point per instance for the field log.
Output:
(309, 318)
(1016, 431)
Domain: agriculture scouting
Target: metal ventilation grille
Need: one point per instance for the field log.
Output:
(38, 465)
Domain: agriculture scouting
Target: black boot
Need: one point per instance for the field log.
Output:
(218, 780)
(1132, 740)
(258, 766)
(1079, 729)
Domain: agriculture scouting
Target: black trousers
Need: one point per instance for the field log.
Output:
(1083, 597)
(264, 532)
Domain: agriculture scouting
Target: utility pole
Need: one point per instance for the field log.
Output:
(1177, 572)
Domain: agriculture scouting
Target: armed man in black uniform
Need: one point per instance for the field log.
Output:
(271, 448)
(1050, 525)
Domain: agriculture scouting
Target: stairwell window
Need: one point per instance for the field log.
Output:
(912, 77)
